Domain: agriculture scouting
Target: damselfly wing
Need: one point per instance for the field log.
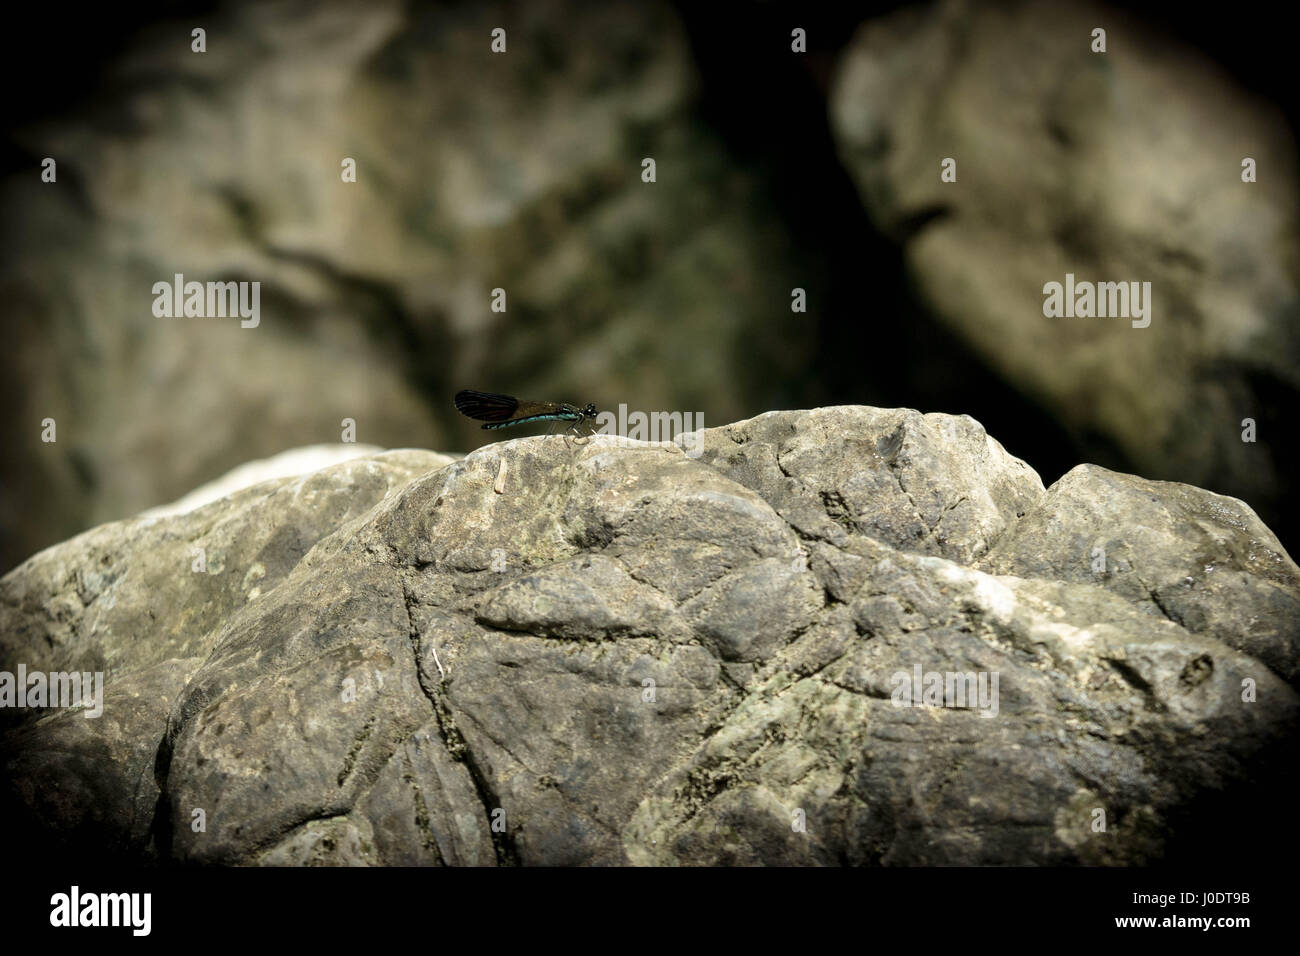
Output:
(504, 411)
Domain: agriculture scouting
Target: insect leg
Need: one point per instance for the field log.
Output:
(576, 429)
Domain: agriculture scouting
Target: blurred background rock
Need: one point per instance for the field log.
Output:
(522, 171)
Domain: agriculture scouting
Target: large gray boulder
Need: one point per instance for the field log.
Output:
(619, 652)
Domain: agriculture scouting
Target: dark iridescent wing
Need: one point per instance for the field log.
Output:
(502, 410)
(486, 406)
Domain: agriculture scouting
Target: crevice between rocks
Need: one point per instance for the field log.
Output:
(1155, 598)
(503, 844)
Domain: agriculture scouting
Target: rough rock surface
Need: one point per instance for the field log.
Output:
(1200, 559)
(287, 464)
(631, 655)
(1117, 166)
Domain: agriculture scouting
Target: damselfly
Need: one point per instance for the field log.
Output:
(503, 411)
